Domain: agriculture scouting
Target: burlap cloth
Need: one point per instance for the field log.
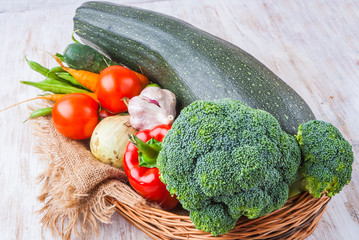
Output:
(75, 184)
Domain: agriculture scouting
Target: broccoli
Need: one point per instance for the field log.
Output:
(224, 160)
(327, 159)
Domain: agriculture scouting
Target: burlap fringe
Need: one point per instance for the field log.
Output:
(64, 206)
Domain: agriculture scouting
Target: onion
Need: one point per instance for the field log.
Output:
(109, 139)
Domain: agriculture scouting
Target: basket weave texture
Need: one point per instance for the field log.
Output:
(297, 219)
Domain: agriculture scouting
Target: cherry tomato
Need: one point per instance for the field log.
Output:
(114, 84)
(75, 115)
(104, 113)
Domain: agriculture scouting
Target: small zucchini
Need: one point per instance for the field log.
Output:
(83, 57)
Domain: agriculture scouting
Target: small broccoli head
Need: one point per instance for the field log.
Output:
(226, 158)
(213, 218)
(327, 157)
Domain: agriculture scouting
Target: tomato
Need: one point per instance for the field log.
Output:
(75, 115)
(114, 84)
(104, 113)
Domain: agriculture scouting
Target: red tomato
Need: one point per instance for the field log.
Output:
(114, 84)
(104, 113)
(75, 115)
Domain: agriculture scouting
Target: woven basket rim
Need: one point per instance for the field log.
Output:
(297, 219)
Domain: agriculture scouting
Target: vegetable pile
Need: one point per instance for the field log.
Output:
(93, 97)
(82, 96)
(221, 158)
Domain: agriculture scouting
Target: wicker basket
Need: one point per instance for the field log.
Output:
(296, 220)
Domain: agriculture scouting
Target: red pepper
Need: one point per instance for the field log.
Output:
(143, 149)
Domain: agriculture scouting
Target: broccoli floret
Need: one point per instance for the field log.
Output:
(327, 159)
(213, 218)
(224, 160)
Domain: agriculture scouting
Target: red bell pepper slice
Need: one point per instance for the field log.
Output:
(145, 180)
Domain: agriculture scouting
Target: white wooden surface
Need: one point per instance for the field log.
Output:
(312, 45)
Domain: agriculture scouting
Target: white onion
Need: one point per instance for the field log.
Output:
(109, 139)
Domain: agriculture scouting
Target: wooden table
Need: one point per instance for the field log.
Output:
(312, 46)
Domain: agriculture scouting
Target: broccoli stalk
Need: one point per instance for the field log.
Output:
(326, 160)
(297, 187)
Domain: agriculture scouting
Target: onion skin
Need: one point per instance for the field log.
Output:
(110, 138)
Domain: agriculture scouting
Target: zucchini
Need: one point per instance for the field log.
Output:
(83, 57)
(191, 63)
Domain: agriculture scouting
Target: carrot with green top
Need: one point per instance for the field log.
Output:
(51, 97)
(86, 78)
(89, 79)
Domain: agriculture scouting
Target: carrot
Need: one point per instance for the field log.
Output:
(51, 97)
(86, 78)
(93, 95)
(143, 79)
(89, 79)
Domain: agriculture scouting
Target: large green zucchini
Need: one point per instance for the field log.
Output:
(186, 60)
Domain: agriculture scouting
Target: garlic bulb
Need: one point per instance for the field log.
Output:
(154, 106)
